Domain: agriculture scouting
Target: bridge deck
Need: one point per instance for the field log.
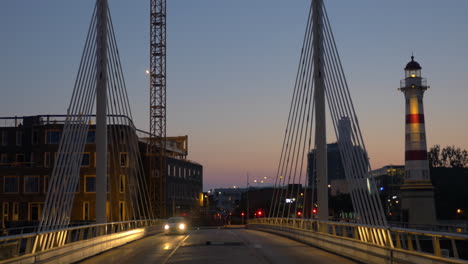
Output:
(225, 246)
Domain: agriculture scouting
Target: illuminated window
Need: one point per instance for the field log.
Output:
(85, 210)
(121, 211)
(5, 210)
(15, 212)
(122, 183)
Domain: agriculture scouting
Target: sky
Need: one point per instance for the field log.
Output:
(231, 67)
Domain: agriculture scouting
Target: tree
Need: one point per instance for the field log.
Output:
(434, 157)
(449, 157)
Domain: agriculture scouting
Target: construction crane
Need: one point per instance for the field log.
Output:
(157, 146)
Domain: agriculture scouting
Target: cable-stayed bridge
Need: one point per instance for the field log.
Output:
(320, 81)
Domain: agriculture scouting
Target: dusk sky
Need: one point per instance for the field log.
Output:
(232, 65)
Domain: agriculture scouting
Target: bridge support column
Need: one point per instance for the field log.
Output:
(101, 113)
(319, 97)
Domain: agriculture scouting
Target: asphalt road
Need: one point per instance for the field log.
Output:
(217, 246)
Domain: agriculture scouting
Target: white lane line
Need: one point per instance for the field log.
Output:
(175, 249)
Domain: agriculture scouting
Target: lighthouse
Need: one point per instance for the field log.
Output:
(417, 191)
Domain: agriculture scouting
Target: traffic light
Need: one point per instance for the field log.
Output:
(299, 213)
(314, 211)
(242, 214)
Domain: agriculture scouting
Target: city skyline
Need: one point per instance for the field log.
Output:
(230, 83)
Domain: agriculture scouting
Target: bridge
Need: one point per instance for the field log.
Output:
(296, 228)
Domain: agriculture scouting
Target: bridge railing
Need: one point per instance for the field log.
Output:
(30, 243)
(437, 244)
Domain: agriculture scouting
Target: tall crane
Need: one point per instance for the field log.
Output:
(157, 146)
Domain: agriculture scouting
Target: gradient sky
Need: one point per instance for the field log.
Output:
(231, 69)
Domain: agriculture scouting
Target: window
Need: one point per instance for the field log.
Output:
(5, 210)
(15, 212)
(19, 138)
(123, 159)
(91, 137)
(121, 211)
(46, 183)
(46, 159)
(53, 137)
(85, 210)
(35, 137)
(122, 136)
(31, 159)
(31, 184)
(169, 172)
(122, 184)
(4, 138)
(90, 183)
(34, 211)
(19, 158)
(3, 159)
(10, 184)
(86, 161)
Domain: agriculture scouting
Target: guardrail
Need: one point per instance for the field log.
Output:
(434, 246)
(31, 243)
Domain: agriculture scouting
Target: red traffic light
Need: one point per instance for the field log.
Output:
(314, 211)
(299, 213)
(242, 214)
(259, 213)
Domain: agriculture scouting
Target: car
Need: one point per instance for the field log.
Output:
(175, 225)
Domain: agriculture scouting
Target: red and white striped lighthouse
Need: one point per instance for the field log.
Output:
(417, 191)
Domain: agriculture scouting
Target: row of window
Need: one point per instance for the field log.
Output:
(181, 172)
(51, 137)
(14, 214)
(183, 190)
(31, 184)
(86, 210)
(86, 161)
(10, 211)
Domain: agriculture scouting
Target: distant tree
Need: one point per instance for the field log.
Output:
(434, 157)
(449, 157)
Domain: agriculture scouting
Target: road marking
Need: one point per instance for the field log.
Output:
(175, 249)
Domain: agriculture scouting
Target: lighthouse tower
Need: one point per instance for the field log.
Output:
(417, 190)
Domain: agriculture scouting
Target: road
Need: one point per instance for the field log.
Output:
(217, 246)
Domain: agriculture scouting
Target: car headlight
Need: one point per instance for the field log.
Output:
(166, 227)
(182, 226)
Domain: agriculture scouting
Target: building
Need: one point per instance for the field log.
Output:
(451, 198)
(28, 148)
(334, 165)
(227, 200)
(417, 189)
(388, 181)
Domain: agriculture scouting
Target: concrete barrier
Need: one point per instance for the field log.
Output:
(353, 249)
(79, 250)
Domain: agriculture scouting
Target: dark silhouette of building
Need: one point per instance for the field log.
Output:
(334, 164)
